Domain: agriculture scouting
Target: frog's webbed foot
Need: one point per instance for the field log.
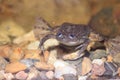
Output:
(41, 28)
(79, 52)
(95, 37)
(48, 41)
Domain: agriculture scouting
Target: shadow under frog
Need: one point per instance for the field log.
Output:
(75, 36)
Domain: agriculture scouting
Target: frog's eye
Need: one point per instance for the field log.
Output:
(71, 36)
(59, 35)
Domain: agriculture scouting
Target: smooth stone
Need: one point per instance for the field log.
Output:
(15, 67)
(28, 37)
(97, 54)
(50, 74)
(29, 62)
(116, 59)
(9, 28)
(2, 72)
(21, 75)
(43, 66)
(98, 68)
(82, 77)
(111, 69)
(70, 77)
(43, 76)
(33, 45)
(9, 76)
(3, 63)
(32, 54)
(34, 74)
(98, 61)
(62, 68)
(17, 54)
(86, 66)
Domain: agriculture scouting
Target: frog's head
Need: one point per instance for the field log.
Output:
(72, 34)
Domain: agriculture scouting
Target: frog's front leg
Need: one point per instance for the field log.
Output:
(78, 53)
(48, 41)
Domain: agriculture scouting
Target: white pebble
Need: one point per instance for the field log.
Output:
(62, 68)
(98, 61)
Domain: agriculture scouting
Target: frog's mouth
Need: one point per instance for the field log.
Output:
(71, 43)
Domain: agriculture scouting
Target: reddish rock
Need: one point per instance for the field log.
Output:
(21, 75)
(98, 69)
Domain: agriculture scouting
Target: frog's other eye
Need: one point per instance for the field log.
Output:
(59, 35)
(71, 36)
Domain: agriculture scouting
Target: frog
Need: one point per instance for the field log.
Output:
(76, 36)
(104, 27)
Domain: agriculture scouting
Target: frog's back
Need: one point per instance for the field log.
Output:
(76, 29)
(107, 22)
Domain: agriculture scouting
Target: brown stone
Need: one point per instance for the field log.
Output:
(15, 67)
(16, 55)
(44, 66)
(32, 54)
(86, 65)
(46, 56)
(5, 51)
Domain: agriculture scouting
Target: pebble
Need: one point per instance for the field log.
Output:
(97, 54)
(98, 61)
(15, 67)
(70, 77)
(50, 74)
(86, 66)
(43, 76)
(34, 74)
(4, 39)
(17, 54)
(62, 68)
(32, 54)
(111, 69)
(116, 58)
(33, 45)
(9, 76)
(21, 75)
(82, 77)
(2, 72)
(98, 67)
(44, 66)
(3, 63)
(25, 38)
(9, 28)
(29, 62)
(5, 51)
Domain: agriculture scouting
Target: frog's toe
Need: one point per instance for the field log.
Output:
(73, 56)
(42, 49)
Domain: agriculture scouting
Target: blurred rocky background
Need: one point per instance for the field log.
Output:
(18, 16)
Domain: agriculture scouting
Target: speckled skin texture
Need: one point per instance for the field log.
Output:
(70, 35)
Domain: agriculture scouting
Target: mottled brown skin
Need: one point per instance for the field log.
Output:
(71, 35)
